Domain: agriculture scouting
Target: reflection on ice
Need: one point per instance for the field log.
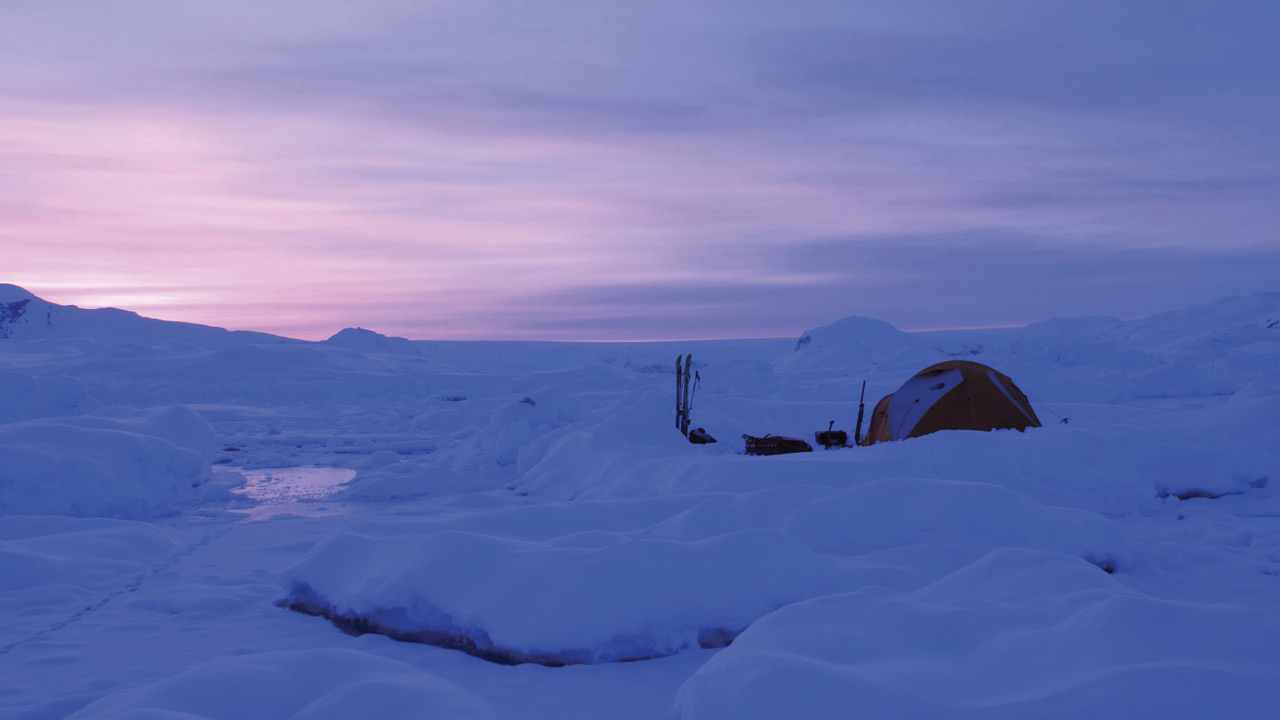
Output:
(289, 491)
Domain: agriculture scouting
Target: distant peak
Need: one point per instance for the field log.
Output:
(13, 293)
(849, 329)
(367, 341)
(354, 332)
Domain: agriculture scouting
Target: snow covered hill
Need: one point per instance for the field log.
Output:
(208, 524)
(369, 341)
(24, 316)
(1211, 349)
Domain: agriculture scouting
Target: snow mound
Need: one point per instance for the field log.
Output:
(178, 424)
(322, 684)
(555, 603)
(851, 342)
(624, 450)
(368, 341)
(519, 431)
(1018, 634)
(28, 398)
(138, 464)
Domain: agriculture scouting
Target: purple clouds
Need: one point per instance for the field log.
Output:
(570, 170)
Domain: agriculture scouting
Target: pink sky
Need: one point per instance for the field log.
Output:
(492, 170)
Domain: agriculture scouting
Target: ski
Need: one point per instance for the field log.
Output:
(684, 420)
(857, 433)
(679, 389)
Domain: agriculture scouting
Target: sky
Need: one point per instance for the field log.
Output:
(574, 170)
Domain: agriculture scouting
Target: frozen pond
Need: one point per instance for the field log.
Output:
(293, 491)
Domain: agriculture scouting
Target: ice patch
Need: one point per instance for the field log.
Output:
(292, 491)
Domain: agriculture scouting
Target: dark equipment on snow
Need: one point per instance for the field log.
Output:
(699, 436)
(679, 393)
(832, 438)
(775, 445)
(857, 432)
(683, 392)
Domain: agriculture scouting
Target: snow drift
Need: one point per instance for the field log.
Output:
(115, 463)
(1018, 634)
(589, 598)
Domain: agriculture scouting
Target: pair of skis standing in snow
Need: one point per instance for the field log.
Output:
(687, 381)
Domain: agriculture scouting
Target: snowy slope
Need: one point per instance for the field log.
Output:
(24, 316)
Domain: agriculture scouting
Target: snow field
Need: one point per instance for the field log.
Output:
(313, 685)
(534, 501)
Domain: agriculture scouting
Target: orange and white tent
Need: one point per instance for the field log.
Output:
(952, 395)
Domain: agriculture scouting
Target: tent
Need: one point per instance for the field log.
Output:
(952, 395)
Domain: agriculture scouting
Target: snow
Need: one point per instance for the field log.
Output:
(118, 462)
(904, 512)
(369, 341)
(29, 398)
(589, 596)
(1016, 634)
(330, 683)
(168, 492)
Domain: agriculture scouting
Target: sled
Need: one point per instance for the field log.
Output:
(775, 445)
